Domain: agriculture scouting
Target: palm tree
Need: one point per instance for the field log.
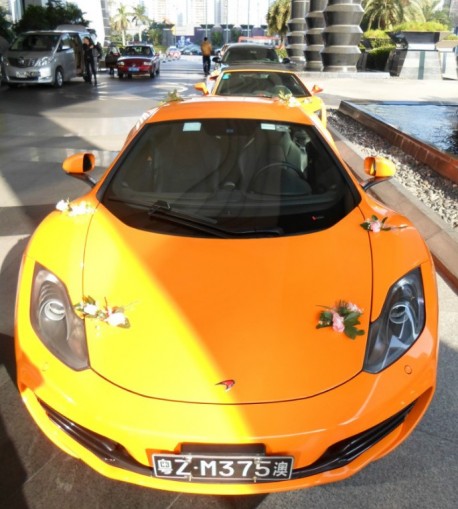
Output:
(140, 19)
(277, 17)
(423, 10)
(383, 14)
(121, 22)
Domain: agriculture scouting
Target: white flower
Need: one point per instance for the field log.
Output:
(354, 308)
(63, 205)
(76, 209)
(90, 309)
(116, 319)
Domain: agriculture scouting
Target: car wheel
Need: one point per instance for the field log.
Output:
(158, 70)
(58, 78)
(129, 76)
(120, 75)
(152, 74)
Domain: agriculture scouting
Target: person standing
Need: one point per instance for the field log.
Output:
(89, 60)
(206, 49)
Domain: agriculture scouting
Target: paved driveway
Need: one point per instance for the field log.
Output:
(39, 128)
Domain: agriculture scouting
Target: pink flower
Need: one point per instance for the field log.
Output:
(375, 226)
(337, 322)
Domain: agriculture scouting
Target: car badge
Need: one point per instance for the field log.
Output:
(227, 383)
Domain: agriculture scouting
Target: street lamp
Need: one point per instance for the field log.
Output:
(248, 20)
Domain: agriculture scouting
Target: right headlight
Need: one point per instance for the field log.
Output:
(55, 321)
(399, 325)
(41, 62)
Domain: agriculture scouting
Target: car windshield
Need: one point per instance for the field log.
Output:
(229, 177)
(247, 54)
(35, 42)
(254, 83)
(134, 51)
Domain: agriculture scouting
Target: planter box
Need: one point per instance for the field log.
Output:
(417, 40)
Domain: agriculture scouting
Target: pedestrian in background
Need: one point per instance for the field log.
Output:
(90, 60)
(206, 49)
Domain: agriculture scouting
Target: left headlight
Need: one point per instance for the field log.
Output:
(55, 322)
(400, 323)
(41, 62)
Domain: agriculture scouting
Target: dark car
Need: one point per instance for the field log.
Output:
(191, 49)
(248, 52)
(138, 60)
(112, 54)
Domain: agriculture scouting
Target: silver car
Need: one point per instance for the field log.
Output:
(44, 57)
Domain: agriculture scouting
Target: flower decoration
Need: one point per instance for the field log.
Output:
(344, 317)
(288, 99)
(112, 315)
(173, 96)
(74, 209)
(374, 224)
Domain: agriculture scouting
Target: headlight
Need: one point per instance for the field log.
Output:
(146, 62)
(400, 323)
(55, 322)
(44, 61)
(121, 63)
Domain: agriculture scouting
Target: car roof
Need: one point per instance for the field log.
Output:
(224, 107)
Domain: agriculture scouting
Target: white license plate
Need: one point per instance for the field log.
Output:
(21, 74)
(246, 469)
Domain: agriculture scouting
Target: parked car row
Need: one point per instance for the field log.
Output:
(45, 57)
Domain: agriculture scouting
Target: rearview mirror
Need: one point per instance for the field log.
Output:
(78, 165)
(201, 87)
(379, 168)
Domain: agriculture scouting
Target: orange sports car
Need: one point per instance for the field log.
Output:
(226, 310)
(265, 80)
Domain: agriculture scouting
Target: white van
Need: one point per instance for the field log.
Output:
(44, 57)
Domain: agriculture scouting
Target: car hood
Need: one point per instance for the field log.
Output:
(203, 312)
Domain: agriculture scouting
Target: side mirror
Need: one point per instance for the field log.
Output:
(316, 89)
(379, 168)
(202, 87)
(216, 60)
(78, 165)
(286, 60)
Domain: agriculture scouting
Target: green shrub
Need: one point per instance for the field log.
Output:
(378, 57)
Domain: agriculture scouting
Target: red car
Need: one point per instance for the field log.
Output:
(139, 59)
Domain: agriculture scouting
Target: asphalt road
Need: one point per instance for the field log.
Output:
(39, 128)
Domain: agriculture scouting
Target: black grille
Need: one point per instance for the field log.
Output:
(338, 455)
(22, 62)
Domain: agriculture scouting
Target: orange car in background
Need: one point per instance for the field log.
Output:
(265, 80)
(227, 312)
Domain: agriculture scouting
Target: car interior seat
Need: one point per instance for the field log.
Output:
(270, 164)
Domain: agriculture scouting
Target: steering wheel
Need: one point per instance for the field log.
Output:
(291, 172)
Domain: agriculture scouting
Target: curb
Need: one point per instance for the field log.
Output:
(440, 238)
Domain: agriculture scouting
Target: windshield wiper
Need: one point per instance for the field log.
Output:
(205, 224)
(163, 209)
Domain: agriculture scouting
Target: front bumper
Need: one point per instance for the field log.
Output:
(136, 70)
(331, 436)
(28, 74)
